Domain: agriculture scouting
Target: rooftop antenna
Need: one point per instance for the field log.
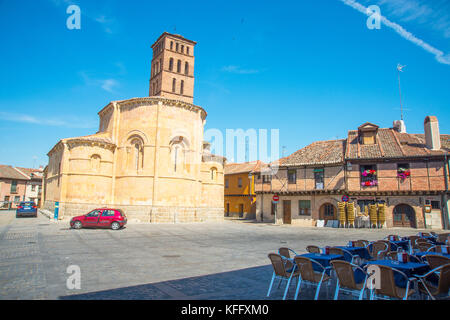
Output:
(400, 69)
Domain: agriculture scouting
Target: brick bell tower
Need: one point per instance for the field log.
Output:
(172, 70)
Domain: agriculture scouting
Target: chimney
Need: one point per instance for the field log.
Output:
(399, 126)
(432, 136)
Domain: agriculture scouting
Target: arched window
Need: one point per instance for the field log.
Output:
(179, 66)
(182, 49)
(186, 68)
(213, 172)
(171, 45)
(176, 47)
(171, 64)
(173, 84)
(95, 162)
(136, 159)
(178, 147)
(187, 50)
(182, 87)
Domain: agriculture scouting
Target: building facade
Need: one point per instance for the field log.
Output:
(406, 172)
(240, 197)
(33, 189)
(148, 157)
(13, 185)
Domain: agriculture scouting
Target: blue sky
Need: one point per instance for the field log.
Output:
(311, 69)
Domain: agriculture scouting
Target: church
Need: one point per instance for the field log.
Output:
(148, 157)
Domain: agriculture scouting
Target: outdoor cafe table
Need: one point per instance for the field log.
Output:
(408, 268)
(323, 259)
(356, 251)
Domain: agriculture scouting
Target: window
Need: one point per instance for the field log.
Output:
(108, 213)
(329, 210)
(179, 66)
(160, 65)
(173, 84)
(187, 50)
(176, 47)
(318, 178)
(213, 174)
(403, 171)
(240, 182)
(186, 68)
(171, 45)
(178, 146)
(95, 162)
(267, 178)
(304, 207)
(136, 156)
(171, 64)
(94, 213)
(182, 87)
(434, 204)
(137, 153)
(14, 186)
(368, 176)
(182, 49)
(292, 176)
(17, 199)
(33, 187)
(226, 183)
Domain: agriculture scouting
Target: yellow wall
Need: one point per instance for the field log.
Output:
(235, 195)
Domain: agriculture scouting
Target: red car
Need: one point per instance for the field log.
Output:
(100, 218)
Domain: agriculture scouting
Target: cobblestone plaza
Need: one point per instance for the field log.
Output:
(155, 261)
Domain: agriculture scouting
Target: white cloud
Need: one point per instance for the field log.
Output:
(238, 70)
(108, 84)
(105, 84)
(439, 55)
(70, 122)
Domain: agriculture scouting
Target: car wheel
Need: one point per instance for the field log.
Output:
(77, 225)
(115, 226)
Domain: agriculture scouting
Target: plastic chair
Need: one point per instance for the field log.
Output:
(388, 286)
(313, 249)
(361, 243)
(280, 272)
(443, 285)
(346, 282)
(286, 253)
(345, 253)
(309, 275)
(435, 260)
(377, 250)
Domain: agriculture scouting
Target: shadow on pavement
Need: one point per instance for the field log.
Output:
(249, 283)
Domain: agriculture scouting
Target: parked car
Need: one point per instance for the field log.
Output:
(100, 218)
(26, 209)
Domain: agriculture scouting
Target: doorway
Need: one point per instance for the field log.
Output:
(287, 219)
(327, 212)
(404, 216)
